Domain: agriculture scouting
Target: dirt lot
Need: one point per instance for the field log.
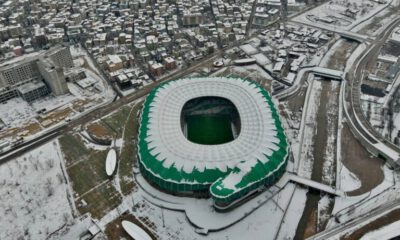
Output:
(100, 200)
(98, 130)
(338, 59)
(128, 157)
(29, 129)
(377, 22)
(54, 117)
(359, 162)
(296, 103)
(93, 191)
(251, 74)
(116, 121)
(325, 127)
(391, 48)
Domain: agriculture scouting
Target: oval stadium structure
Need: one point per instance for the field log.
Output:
(191, 142)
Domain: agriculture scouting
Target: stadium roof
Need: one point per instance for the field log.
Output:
(172, 160)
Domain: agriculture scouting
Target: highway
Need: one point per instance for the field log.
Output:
(362, 125)
(106, 109)
(342, 33)
(373, 214)
(353, 88)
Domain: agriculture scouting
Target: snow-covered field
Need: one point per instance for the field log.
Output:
(328, 172)
(352, 207)
(260, 224)
(341, 15)
(17, 113)
(33, 195)
(386, 232)
(348, 180)
(306, 158)
(384, 18)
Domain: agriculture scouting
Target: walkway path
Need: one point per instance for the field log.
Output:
(315, 185)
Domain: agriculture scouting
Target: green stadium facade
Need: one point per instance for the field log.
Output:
(228, 172)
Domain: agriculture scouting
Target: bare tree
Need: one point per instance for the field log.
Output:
(50, 163)
(36, 165)
(28, 209)
(60, 178)
(49, 187)
(65, 218)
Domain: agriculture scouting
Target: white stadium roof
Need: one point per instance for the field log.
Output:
(257, 157)
(257, 139)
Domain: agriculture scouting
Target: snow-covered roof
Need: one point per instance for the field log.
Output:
(135, 231)
(163, 146)
(111, 161)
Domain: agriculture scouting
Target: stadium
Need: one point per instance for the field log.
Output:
(212, 136)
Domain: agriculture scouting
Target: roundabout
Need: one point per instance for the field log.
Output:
(181, 150)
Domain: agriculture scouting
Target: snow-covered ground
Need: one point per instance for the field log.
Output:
(328, 171)
(335, 14)
(252, 71)
(387, 232)
(17, 113)
(260, 224)
(293, 214)
(306, 158)
(384, 20)
(352, 207)
(33, 195)
(396, 123)
(348, 180)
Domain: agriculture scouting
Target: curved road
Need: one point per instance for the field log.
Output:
(353, 97)
(101, 110)
(353, 90)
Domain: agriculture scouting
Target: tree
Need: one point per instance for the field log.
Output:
(49, 187)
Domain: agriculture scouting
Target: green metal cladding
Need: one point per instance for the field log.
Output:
(211, 180)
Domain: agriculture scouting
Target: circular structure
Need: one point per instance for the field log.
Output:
(256, 156)
(218, 63)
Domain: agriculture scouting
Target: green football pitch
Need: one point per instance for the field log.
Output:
(209, 129)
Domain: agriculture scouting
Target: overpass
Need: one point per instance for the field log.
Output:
(313, 184)
(337, 231)
(353, 36)
(359, 125)
(327, 72)
(342, 33)
(299, 81)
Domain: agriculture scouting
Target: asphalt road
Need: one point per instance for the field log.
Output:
(100, 111)
(353, 96)
(374, 213)
(370, 54)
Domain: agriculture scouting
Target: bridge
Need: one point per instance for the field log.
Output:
(353, 36)
(315, 70)
(342, 33)
(313, 184)
(327, 72)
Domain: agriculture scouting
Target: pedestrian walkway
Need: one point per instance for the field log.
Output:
(315, 185)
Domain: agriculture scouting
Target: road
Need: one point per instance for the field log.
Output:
(106, 109)
(251, 19)
(100, 111)
(353, 93)
(353, 96)
(374, 213)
